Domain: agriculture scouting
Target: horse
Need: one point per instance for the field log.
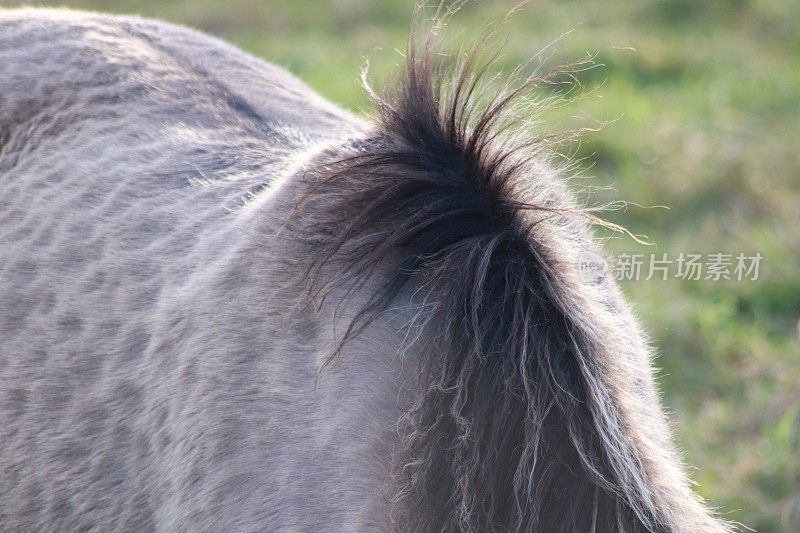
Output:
(226, 304)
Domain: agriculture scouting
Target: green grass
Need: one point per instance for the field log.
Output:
(704, 99)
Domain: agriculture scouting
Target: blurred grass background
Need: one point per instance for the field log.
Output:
(704, 103)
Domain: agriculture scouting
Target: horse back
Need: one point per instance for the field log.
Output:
(144, 383)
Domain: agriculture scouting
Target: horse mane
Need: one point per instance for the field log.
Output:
(537, 410)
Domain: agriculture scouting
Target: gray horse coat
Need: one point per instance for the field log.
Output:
(158, 369)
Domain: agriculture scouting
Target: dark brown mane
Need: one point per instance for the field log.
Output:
(520, 426)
